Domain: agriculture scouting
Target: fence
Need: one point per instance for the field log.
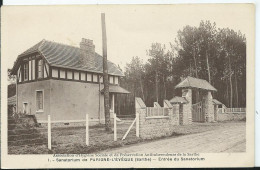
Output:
(235, 110)
(156, 121)
(156, 111)
(73, 137)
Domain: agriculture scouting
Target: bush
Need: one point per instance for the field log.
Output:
(22, 130)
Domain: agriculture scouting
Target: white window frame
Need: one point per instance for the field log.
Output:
(39, 111)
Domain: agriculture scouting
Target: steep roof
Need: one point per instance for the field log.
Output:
(67, 56)
(178, 99)
(195, 83)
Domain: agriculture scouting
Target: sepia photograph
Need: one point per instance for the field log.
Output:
(133, 84)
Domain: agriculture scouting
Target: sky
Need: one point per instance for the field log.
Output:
(131, 29)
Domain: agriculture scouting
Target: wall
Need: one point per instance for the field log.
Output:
(156, 126)
(72, 100)
(209, 107)
(27, 93)
(65, 101)
(231, 116)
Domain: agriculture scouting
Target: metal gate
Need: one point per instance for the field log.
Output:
(197, 112)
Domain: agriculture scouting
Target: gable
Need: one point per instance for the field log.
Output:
(31, 67)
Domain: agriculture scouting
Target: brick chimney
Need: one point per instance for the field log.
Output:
(87, 52)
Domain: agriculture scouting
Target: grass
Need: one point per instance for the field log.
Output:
(72, 139)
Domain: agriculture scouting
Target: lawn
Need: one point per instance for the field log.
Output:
(72, 139)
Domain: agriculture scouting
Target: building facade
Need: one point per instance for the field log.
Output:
(64, 81)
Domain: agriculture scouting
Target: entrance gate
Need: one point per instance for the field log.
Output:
(197, 112)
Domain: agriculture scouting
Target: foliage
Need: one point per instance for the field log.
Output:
(206, 52)
(22, 130)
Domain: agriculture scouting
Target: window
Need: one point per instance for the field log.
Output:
(95, 78)
(39, 101)
(89, 77)
(76, 75)
(111, 79)
(55, 72)
(62, 73)
(40, 68)
(116, 80)
(25, 71)
(83, 76)
(69, 74)
(25, 108)
(101, 79)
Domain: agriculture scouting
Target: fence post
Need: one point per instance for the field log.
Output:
(49, 132)
(137, 124)
(115, 137)
(87, 130)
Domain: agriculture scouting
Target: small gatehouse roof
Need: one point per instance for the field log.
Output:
(192, 82)
(178, 99)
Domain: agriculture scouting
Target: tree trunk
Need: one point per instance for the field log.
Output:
(156, 85)
(227, 96)
(142, 90)
(164, 88)
(236, 89)
(195, 62)
(230, 82)
(196, 73)
(208, 68)
(105, 75)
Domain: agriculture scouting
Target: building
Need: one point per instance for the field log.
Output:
(64, 81)
(203, 111)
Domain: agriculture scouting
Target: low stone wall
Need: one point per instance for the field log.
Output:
(231, 116)
(157, 126)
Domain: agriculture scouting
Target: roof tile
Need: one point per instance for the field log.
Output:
(67, 56)
(195, 83)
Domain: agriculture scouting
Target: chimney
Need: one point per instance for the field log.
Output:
(87, 53)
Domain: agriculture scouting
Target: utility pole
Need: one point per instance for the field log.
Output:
(105, 75)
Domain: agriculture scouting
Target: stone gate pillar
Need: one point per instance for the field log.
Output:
(187, 108)
(209, 107)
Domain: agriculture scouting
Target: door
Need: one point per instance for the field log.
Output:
(198, 112)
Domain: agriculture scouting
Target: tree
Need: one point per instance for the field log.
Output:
(11, 78)
(205, 52)
(134, 73)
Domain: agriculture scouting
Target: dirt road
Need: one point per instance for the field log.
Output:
(225, 139)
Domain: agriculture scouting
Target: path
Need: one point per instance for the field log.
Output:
(227, 139)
